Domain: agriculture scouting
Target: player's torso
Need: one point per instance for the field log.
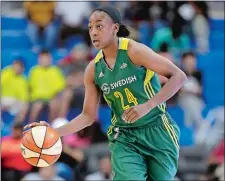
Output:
(126, 85)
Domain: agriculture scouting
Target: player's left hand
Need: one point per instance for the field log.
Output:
(134, 113)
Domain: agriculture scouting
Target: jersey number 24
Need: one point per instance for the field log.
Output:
(130, 98)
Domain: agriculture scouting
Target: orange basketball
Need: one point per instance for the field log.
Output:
(41, 146)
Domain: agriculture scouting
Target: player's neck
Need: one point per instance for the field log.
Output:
(110, 52)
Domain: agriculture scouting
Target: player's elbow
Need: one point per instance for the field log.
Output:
(182, 76)
(90, 122)
(89, 118)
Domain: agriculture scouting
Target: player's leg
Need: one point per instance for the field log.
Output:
(162, 162)
(127, 163)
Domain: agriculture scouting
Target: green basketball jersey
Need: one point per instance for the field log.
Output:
(126, 85)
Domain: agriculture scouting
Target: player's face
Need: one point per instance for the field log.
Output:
(102, 30)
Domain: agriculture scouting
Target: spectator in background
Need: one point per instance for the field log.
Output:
(81, 139)
(182, 13)
(190, 95)
(72, 156)
(215, 167)
(46, 82)
(176, 39)
(131, 16)
(73, 94)
(200, 26)
(105, 170)
(78, 57)
(47, 173)
(73, 20)
(140, 12)
(120, 5)
(13, 164)
(219, 172)
(41, 29)
(15, 96)
(217, 154)
(158, 14)
(84, 138)
(163, 51)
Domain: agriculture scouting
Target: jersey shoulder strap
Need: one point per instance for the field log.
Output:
(98, 56)
(123, 45)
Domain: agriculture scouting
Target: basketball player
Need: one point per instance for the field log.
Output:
(143, 138)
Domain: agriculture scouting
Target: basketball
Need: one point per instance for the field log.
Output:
(41, 146)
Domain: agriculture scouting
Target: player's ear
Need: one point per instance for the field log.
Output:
(116, 28)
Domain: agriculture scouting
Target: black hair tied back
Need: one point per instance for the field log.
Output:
(123, 31)
(115, 15)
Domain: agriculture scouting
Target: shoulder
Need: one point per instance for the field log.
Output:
(6, 138)
(7, 69)
(90, 71)
(162, 33)
(91, 66)
(184, 37)
(124, 43)
(35, 68)
(130, 45)
(136, 50)
(55, 68)
(98, 57)
(133, 47)
(23, 78)
(34, 71)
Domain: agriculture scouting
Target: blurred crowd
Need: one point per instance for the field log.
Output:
(177, 30)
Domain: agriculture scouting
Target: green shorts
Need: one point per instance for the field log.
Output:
(147, 153)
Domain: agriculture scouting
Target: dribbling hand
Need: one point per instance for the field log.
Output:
(41, 123)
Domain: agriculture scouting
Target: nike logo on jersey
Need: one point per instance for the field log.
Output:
(101, 75)
(123, 66)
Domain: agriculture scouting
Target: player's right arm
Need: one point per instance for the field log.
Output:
(90, 106)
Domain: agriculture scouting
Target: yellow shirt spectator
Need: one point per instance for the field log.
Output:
(40, 12)
(45, 82)
(13, 85)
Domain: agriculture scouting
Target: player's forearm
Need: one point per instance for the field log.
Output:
(168, 90)
(75, 125)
